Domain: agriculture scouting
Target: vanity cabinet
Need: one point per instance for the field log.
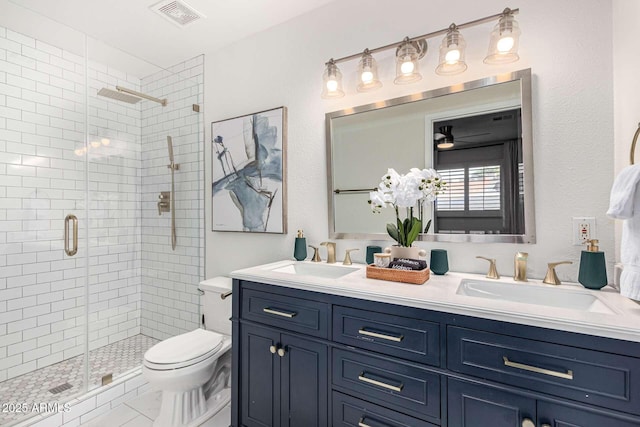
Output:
(475, 405)
(313, 359)
(284, 379)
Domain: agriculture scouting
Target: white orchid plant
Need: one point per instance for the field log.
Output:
(407, 191)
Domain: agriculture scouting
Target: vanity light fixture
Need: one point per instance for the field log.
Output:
(407, 56)
(503, 48)
(332, 79)
(368, 73)
(452, 53)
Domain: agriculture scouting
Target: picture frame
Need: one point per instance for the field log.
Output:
(248, 189)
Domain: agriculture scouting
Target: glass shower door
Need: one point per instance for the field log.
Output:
(42, 194)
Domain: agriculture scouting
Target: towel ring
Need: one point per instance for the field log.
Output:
(633, 144)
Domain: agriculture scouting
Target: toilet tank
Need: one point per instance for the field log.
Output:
(216, 311)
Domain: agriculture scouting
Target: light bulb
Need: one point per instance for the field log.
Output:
(366, 77)
(452, 56)
(407, 67)
(105, 141)
(95, 144)
(505, 44)
(332, 85)
(78, 151)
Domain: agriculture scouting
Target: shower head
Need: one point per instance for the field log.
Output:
(170, 147)
(128, 95)
(118, 96)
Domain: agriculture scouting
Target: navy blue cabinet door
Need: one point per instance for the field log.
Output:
(557, 415)
(260, 373)
(471, 405)
(304, 388)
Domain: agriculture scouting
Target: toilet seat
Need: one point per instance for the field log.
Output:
(183, 350)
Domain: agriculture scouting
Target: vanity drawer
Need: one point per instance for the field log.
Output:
(294, 314)
(403, 337)
(584, 375)
(349, 411)
(388, 382)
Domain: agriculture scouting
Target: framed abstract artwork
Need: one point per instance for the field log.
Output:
(249, 192)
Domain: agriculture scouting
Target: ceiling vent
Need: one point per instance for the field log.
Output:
(177, 12)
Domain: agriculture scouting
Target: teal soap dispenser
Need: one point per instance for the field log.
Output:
(300, 247)
(593, 268)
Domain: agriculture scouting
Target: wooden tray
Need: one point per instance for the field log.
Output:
(416, 277)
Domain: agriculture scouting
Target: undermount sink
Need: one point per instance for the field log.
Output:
(531, 294)
(316, 270)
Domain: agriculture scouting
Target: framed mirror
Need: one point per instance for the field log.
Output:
(477, 135)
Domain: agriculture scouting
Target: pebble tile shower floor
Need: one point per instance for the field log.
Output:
(34, 387)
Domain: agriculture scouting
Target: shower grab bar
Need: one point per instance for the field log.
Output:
(74, 250)
(633, 144)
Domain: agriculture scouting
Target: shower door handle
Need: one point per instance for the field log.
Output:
(74, 250)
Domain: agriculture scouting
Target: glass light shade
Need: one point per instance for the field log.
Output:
(368, 73)
(332, 82)
(452, 53)
(503, 46)
(445, 143)
(407, 67)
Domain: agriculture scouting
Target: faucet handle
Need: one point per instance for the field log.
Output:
(493, 271)
(347, 256)
(551, 278)
(316, 254)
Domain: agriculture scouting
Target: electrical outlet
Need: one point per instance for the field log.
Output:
(584, 228)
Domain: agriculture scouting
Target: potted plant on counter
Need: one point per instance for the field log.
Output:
(408, 194)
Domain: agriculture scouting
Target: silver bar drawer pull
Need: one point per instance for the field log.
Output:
(394, 338)
(391, 387)
(566, 375)
(361, 423)
(282, 313)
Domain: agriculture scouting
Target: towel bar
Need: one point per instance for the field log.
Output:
(633, 144)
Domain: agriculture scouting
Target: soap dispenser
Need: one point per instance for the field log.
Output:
(300, 247)
(593, 269)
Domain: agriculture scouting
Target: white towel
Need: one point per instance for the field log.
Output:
(625, 204)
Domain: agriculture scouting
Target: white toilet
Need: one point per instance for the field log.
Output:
(193, 370)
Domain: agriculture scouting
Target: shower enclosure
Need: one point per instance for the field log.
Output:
(88, 277)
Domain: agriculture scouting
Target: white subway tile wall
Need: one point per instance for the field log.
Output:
(170, 278)
(136, 282)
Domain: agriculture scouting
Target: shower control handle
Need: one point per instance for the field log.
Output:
(164, 202)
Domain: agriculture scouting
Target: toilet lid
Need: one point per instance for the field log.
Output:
(184, 347)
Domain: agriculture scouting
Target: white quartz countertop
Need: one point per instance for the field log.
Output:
(439, 293)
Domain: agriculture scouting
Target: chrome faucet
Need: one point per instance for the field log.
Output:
(331, 251)
(520, 267)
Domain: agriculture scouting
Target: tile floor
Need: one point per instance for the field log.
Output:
(142, 410)
(34, 387)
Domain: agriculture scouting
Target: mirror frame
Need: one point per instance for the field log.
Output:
(524, 77)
